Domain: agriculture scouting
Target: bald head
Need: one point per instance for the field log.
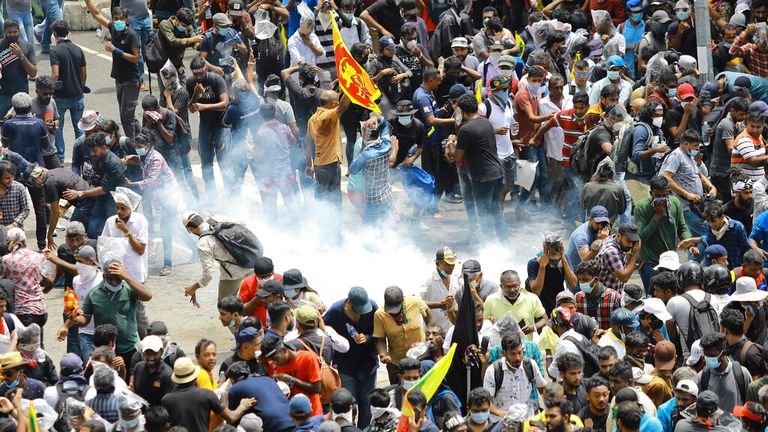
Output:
(635, 106)
(329, 99)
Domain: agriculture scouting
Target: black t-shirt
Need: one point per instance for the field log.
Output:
(213, 86)
(70, 59)
(595, 140)
(126, 40)
(579, 399)
(108, 172)
(152, 386)
(386, 13)
(596, 422)
(59, 180)
(414, 65)
(191, 407)
(407, 137)
(253, 364)
(742, 215)
(477, 139)
(66, 255)
(672, 119)
(756, 331)
(304, 101)
(14, 79)
(752, 360)
(554, 281)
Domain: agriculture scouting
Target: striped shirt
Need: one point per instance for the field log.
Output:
(572, 130)
(327, 60)
(105, 405)
(746, 148)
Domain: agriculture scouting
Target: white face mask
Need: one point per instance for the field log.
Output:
(86, 272)
(617, 126)
(377, 412)
(348, 416)
(657, 121)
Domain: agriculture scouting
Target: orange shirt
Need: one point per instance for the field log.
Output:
(248, 289)
(306, 367)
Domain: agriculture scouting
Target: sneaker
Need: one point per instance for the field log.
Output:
(166, 271)
(453, 199)
(38, 31)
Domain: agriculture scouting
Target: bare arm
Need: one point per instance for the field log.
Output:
(96, 14)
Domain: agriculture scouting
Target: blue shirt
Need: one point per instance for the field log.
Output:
(242, 117)
(293, 14)
(361, 359)
(759, 90)
(650, 424)
(760, 230)
(582, 237)
(734, 241)
(665, 414)
(426, 105)
(271, 404)
(633, 36)
(646, 167)
(27, 136)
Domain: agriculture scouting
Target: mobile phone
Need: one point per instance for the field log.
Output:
(416, 414)
(484, 345)
(521, 323)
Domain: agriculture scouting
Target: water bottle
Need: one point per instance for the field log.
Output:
(351, 330)
(411, 152)
(704, 131)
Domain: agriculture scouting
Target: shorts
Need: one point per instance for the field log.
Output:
(509, 164)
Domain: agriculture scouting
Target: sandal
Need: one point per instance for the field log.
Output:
(166, 271)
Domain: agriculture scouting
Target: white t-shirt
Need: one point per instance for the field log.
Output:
(82, 288)
(136, 265)
(433, 290)
(680, 309)
(555, 137)
(500, 117)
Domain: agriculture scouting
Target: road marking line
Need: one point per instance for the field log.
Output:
(96, 53)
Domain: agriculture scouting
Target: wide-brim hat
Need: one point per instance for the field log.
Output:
(184, 371)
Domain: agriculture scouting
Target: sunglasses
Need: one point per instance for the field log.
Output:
(581, 74)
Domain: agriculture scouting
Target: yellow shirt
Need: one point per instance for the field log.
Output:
(325, 129)
(541, 418)
(207, 380)
(400, 337)
(527, 308)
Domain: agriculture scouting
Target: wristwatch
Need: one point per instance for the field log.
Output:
(291, 382)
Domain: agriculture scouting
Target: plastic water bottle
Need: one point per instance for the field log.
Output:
(351, 330)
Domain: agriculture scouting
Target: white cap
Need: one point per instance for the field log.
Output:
(688, 386)
(669, 260)
(640, 376)
(746, 290)
(657, 308)
(152, 343)
(697, 352)
(459, 42)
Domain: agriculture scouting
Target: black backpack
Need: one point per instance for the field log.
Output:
(588, 352)
(155, 53)
(498, 374)
(621, 154)
(579, 160)
(61, 422)
(738, 374)
(702, 319)
(238, 240)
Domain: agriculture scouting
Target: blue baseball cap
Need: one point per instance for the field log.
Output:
(623, 317)
(456, 91)
(614, 61)
(714, 252)
(358, 297)
(247, 334)
(300, 404)
(387, 42)
(599, 214)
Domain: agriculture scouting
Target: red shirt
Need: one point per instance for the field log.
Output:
(524, 101)
(248, 289)
(616, 8)
(572, 130)
(305, 367)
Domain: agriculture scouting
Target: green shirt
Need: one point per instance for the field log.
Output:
(118, 309)
(659, 236)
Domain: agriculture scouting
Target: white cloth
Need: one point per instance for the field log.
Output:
(127, 197)
(607, 340)
(136, 265)
(5, 337)
(433, 290)
(350, 35)
(299, 51)
(625, 91)
(554, 138)
(82, 288)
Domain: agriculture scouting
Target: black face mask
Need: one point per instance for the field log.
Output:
(12, 39)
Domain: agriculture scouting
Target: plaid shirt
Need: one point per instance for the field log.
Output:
(13, 205)
(611, 259)
(756, 61)
(601, 309)
(157, 176)
(374, 162)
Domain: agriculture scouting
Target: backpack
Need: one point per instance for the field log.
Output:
(578, 157)
(498, 375)
(9, 322)
(238, 240)
(61, 422)
(745, 349)
(329, 377)
(155, 53)
(702, 319)
(621, 154)
(588, 352)
(738, 374)
(437, 398)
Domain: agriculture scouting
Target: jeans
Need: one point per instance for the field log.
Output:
(697, 226)
(75, 107)
(26, 25)
(141, 27)
(53, 13)
(434, 162)
(646, 273)
(73, 338)
(238, 163)
(29, 319)
(625, 217)
(86, 346)
(211, 142)
(328, 183)
(465, 183)
(41, 221)
(361, 387)
(541, 181)
(486, 196)
(127, 97)
(375, 214)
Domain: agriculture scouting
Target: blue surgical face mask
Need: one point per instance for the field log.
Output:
(480, 417)
(408, 384)
(586, 287)
(289, 292)
(113, 288)
(15, 383)
(142, 151)
(693, 152)
(613, 75)
(129, 424)
(232, 324)
(181, 28)
(712, 362)
(405, 120)
(637, 16)
(119, 25)
(671, 92)
(533, 89)
(682, 15)
(727, 45)
(108, 139)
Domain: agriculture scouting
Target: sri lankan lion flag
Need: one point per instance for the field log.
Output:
(353, 79)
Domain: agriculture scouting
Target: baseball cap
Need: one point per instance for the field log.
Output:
(499, 81)
(714, 252)
(685, 91)
(759, 107)
(221, 19)
(688, 386)
(661, 16)
(293, 279)
(270, 345)
(247, 334)
(656, 308)
(186, 217)
(614, 61)
(629, 230)
(358, 297)
(387, 42)
(595, 47)
(342, 399)
(507, 60)
(599, 214)
(459, 42)
(36, 172)
(306, 315)
(86, 252)
(236, 7)
(270, 287)
(70, 364)
(664, 355)
(743, 81)
(456, 91)
(300, 404)
(707, 403)
(738, 19)
(623, 317)
(697, 352)
(565, 296)
(640, 377)
(263, 266)
(152, 343)
(251, 423)
(471, 266)
(157, 328)
(446, 254)
(75, 228)
(272, 83)
(751, 411)
(393, 300)
(668, 260)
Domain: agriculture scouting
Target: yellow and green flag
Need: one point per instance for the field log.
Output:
(430, 382)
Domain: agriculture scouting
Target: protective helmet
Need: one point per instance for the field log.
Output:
(717, 279)
(689, 273)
